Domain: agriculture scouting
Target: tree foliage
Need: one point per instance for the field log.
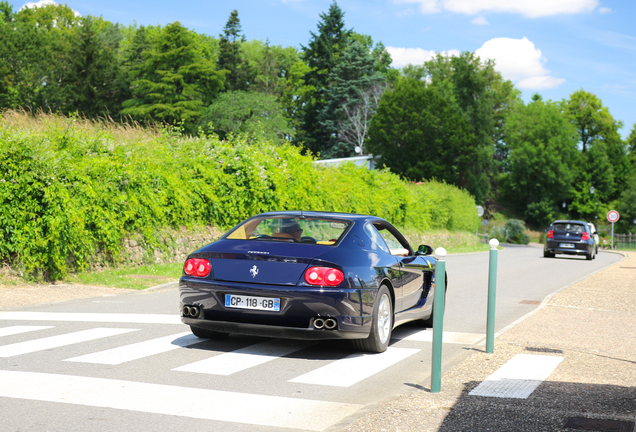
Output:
(542, 148)
(420, 135)
(176, 83)
(254, 113)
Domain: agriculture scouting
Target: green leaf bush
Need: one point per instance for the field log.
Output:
(70, 188)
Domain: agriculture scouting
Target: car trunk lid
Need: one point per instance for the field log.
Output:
(259, 263)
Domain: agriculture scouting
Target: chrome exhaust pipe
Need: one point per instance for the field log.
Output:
(319, 323)
(330, 324)
(190, 311)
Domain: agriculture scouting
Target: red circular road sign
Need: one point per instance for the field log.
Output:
(613, 216)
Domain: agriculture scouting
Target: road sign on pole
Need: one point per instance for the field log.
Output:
(613, 216)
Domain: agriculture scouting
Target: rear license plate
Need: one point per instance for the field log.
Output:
(566, 245)
(250, 302)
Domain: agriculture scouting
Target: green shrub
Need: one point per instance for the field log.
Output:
(514, 231)
(72, 188)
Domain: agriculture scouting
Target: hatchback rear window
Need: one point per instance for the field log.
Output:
(291, 229)
(569, 227)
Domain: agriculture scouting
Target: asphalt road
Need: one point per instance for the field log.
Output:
(126, 363)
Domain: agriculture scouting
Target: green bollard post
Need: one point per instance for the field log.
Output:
(492, 294)
(438, 320)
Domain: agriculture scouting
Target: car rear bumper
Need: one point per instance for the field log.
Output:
(579, 248)
(299, 307)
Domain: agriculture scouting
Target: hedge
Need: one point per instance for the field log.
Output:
(71, 187)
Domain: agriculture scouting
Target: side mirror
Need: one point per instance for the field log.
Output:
(424, 250)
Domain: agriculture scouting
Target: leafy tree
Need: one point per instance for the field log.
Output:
(419, 135)
(604, 164)
(176, 83)
(626, 206)
(230, 58)
(249, 112)
(592, 120)
(484, 97)
(26, 58)
(321, 55)
(542, 154)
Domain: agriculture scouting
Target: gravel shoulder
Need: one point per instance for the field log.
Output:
(24, 295)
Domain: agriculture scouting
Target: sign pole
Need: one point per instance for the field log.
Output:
(613, 216)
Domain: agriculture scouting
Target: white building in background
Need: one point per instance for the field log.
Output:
(367, 160)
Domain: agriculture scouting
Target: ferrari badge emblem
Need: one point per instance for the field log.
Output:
(254, 271)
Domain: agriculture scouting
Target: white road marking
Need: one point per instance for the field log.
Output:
(519, 377)
(354, 368)
(59, 341)
(139, 350)
(217, 405)
(244, 358)
(92, 317)
(13, 330)
(448, 337)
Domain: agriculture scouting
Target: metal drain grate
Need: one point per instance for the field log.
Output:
(599, 425)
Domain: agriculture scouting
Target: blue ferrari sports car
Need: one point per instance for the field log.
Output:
(308, 275)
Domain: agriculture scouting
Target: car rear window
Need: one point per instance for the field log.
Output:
(323, 231)
(569, 227)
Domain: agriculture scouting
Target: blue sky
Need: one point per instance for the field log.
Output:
(553, 47)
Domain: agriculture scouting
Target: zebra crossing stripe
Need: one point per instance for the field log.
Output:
(91, 317)
(354, 368)
(42, 344)
(14, 330)
(261, 410)
(139, 350)
(245, 358)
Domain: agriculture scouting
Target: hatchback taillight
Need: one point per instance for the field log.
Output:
(551, 234)
(198, 267)
(323, 276)
(585, 236)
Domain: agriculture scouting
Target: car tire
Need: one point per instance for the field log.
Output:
(381, 324)
(589, 256)
(207, 334)
(547, 254)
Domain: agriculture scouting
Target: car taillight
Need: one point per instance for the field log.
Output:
(323, 276)
(551, 234)
(197, 267)
(585, 236)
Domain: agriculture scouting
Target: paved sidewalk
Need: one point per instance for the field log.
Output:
(591, 326)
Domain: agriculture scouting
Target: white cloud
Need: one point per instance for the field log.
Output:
(416, 56)
(38, 4)
(604, 10)
(527, 8)
(44, 3)
(519, 61)
(480, 20)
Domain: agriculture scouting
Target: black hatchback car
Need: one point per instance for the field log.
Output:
(571, 238)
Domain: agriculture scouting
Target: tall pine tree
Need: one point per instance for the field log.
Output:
(230, 56)
(322, 56)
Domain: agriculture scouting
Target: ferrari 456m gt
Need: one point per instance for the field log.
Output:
(308, 275)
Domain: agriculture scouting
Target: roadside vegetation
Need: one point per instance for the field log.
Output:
(74, 189)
